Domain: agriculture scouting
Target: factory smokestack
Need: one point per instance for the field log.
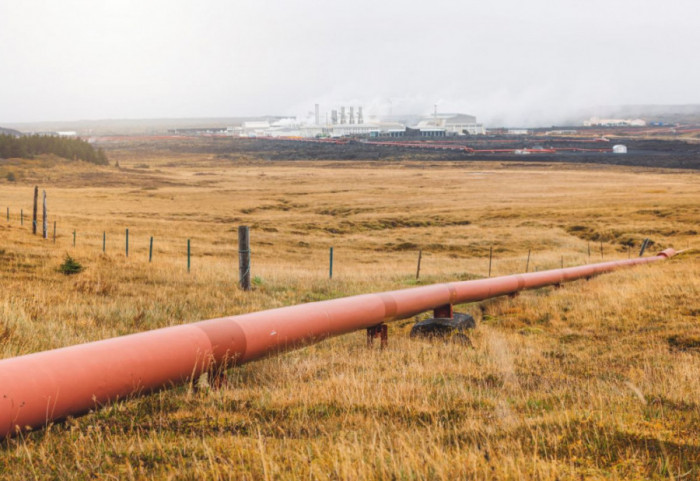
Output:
(334, 117)
(342, 115)
(360, 117)
(352, 115)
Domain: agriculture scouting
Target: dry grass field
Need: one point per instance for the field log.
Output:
(596, 380)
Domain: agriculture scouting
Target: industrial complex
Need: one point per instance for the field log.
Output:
(350, 121)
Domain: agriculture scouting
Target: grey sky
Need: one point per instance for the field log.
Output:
(513, 62)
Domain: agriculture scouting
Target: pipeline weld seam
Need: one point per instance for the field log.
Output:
(390, 306)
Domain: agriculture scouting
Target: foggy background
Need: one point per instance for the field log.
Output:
(522, 63)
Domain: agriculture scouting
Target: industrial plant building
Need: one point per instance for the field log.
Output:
(449, 124)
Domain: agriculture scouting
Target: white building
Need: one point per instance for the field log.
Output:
(342, 130)
(450, 124)
(389, 129)
(257, 128)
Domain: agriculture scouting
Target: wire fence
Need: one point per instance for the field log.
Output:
(245, 254)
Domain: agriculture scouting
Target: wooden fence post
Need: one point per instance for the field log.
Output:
(330, 264)
(420, 256)
(36, 201)
(188, 255)
(44, 220)
(244, 257)
(150, 250)
(527, 264)
(127, 242)
(104, 241)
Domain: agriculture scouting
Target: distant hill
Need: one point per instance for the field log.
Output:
(4, 131)
(88, 128)
(682, 114)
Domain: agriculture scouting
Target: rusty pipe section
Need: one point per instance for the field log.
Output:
(36, 389)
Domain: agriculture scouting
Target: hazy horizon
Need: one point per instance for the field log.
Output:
(508, 63)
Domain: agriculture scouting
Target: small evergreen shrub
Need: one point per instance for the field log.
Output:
(70, 266)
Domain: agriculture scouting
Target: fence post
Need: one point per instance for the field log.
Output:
(244, 257)
(36, 201)
(127, 242)
(54, 232)
(188, 255)
(420, 256)
(527, 264)
(490, 258)
(21, 217)
(150, 250)
(104, 241)
(44, 220)
(73, 237)
(8, 214)
(644, 246)
(330, 264)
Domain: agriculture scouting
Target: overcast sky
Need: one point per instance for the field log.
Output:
(508, 62)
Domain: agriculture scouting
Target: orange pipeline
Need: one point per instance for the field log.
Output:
(39, 388)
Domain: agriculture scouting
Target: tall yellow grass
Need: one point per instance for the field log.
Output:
(598, 379)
